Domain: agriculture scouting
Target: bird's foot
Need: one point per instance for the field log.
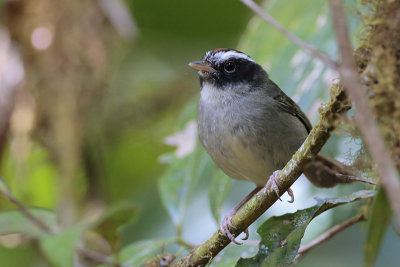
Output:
(273, 182)
(226, 223)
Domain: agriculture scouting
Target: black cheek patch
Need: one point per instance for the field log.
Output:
(246, 72)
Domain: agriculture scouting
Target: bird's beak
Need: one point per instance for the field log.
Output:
(201, 66)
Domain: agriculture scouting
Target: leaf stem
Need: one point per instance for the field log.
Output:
(329, 234)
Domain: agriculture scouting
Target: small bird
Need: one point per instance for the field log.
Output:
(250, 127)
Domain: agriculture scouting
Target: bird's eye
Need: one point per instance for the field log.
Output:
(229, 67)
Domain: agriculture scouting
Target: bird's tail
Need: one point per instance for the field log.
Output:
(327, 172)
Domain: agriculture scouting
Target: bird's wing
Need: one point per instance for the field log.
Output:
(288, 105)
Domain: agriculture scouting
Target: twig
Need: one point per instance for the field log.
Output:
(266, 197)
(329, 234)
(24, 210)
(364, 116)
(311, 50)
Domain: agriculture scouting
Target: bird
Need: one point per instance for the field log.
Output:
(250, 127)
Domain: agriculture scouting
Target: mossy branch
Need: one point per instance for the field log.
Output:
(264, 199)
(364, 116)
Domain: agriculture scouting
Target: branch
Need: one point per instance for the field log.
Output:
(308, 48)
(266, 197)
(364, 116)
(25, 211)
(329, 234)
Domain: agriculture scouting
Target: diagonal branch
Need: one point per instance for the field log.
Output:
(25, 211)
(308, 48)
(364, 117)
(265, 198)
(330, 233)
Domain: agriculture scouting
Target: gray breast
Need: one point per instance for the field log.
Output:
(247, 137)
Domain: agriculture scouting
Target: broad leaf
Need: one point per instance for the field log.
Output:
(140, 252)
(13, 221)
(281, 235)
(218, 191)
(173, 187)
(229, 256)
(298, 74)
(59, 249)
(378, 222)
(177, 184)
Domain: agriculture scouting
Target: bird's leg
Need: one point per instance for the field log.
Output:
(226, 223)
(273, 181)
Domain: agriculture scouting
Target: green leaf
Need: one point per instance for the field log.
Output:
(218, 191)
(174, 186)
(298, 74)
(177, 184)
(140, 252)
(378, 222)
(13, 221)
(229, 256)
(110, 223)
(34, 178)
(202, 167)
(59, 249)
(281, 235)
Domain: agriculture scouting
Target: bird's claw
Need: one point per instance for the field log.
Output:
(291, 194)
(246, 232)
(226, 223)
(273, 182)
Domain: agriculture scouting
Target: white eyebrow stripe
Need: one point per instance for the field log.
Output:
(231, 54)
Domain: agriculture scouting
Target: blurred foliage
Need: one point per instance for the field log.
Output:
(14, 222)
(84, 147)
(60, 248)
